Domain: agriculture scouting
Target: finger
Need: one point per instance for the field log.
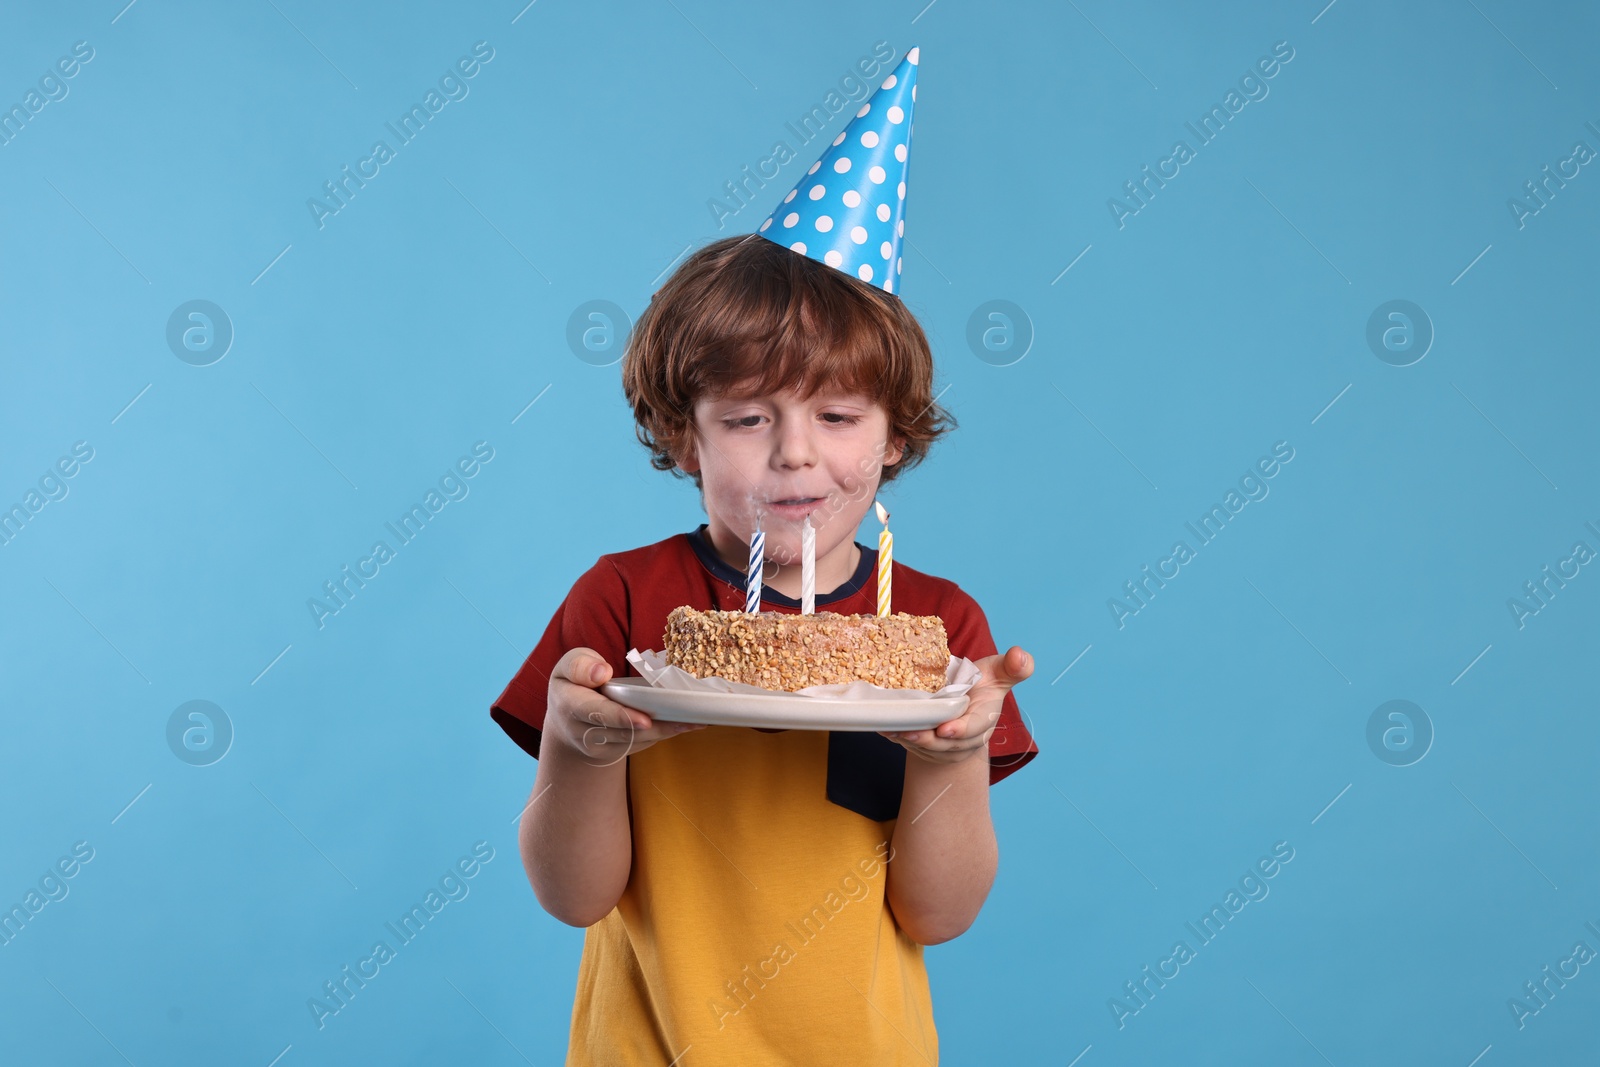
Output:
(595, 709)
(607, 737)
(582, 666)
(961, 729)
(1019, 663)
(930, 741)
(1005, 671)
(611, 740)
(978, 720)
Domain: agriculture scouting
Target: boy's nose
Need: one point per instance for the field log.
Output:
(795, 447)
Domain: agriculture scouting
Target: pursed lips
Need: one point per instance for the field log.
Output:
(794, 507)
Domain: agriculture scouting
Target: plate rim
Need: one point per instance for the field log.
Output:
(637, 682)
(784, 711)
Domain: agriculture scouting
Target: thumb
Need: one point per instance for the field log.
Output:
(1013, 666)
(585, 667)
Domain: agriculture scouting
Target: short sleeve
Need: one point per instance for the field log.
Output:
(1011, 746)
(593, 615)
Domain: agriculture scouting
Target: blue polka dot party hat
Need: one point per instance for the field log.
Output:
(849, 211)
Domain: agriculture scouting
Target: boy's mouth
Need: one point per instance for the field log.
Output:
(796, 507)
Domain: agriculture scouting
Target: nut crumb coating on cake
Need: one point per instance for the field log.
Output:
(775, 650)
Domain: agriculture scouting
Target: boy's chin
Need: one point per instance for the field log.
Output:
(781, 550)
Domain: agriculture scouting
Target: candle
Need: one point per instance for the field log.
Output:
(885, 554)
(752, 581)
(808, 568)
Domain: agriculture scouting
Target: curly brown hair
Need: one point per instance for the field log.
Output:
(745, 317)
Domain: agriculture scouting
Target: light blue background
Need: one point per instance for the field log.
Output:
(1227, 315)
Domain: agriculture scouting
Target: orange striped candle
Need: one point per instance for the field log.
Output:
(885, 560)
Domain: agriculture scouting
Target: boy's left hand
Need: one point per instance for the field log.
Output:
(961, 738)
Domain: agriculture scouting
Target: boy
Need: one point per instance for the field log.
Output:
(762, 896)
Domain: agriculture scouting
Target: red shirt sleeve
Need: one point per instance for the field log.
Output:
(594, 615)
(1011, 746)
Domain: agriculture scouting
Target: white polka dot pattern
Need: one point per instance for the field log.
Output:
(855, 221)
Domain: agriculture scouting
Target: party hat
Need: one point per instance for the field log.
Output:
(849, 211)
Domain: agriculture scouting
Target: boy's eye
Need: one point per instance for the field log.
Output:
(836, 418)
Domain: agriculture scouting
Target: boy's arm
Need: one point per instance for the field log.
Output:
(573, 834)
(943, 852)
(575, 840)
(575, 837)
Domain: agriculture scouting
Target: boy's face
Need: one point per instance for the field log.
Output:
(782, 458)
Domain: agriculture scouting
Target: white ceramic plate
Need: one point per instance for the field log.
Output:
(783, 711)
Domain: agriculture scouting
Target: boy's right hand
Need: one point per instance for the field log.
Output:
(598, 729)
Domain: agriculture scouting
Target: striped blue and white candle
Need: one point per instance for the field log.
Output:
(752, 581)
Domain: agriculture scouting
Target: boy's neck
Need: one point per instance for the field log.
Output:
(833, 569)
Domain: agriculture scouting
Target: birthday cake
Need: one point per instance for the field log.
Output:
(776, 650)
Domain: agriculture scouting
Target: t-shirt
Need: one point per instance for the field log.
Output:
(754, 926)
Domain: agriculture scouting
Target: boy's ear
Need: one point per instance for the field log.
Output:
(689, 462)
(895, 453)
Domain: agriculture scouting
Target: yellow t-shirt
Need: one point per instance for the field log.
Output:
(752, 931)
